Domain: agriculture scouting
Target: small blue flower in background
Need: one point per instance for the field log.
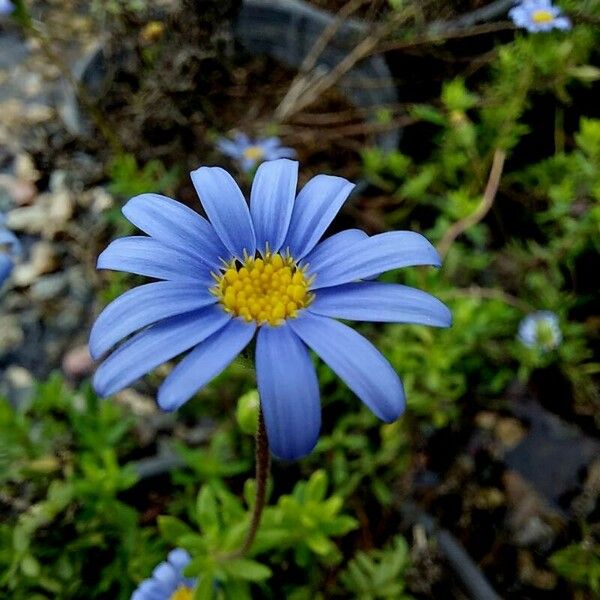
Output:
(6, 7)
(248, 154)
(10, 248)
(540, 330)
(538, 15)
(167, 581)
(260, 270)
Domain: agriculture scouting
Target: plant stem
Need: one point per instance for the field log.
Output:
(482, 209)
(263, 465)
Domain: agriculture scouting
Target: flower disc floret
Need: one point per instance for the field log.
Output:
(266, 289)
(542, 16)
(254, 153)
(182, 593)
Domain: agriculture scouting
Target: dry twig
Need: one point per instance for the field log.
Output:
(482, 209)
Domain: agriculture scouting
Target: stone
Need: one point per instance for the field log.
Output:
(77, 362)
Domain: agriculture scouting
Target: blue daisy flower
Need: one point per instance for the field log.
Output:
(260, 270)
(540, 330)
(10, 248)
(248, 153)
(538, 15)
(167, 581)
(6, 7)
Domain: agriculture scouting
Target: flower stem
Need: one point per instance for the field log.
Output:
(263, 465)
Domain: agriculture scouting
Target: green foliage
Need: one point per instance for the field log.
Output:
(129, 179)
(378, 574)
(302, 524)
(361, 453)
(59, 466)
(580, 564)
(557, 195)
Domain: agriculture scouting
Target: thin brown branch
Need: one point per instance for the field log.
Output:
(310, 60)
(482, 209)
(263, 464)
(435, 38)
(344, 131)
(317, 83)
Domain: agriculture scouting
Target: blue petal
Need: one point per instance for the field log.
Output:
(373, 256)
(154, 346)
(289, 392)
(204, 363)
(242, 140)
(179, 558)
(272, 201)
(562, 23)
(229, 148)
(323, 252)
(145, 256)
(386, 302)
(148, 590)
(355, 360)
(226, 208)
(166, 576)
(6, 267)
(143, 306)
(175, 225)
(247, 164)
(316, 206)
(270, 143)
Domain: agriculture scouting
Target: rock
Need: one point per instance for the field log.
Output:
(486, 419)
(139, 404)
(41, 260)
(77, 362)
(50, 213)
(25, 168)
(530, 573)
(586, 502)
(531, 520)
(19, 191)
(553, 452)
(509, 432)
(12, 334)
(49, 286)
(17, 384)
(101, 200)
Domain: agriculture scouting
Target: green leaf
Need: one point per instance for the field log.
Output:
(172, 529)
(205, 588)
(30, 566)
(456, 97)
(207, 514)
(319, 544)
(316, 488)
(244, 568)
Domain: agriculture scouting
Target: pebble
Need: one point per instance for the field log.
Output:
(77, 362)
(47, 287)
(12, 334)
(17, 384)
(41, 260)
(531, 520)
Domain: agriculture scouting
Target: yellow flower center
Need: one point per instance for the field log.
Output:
(182, 593)
(254, 153)
(266, 290)
(542, 16)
